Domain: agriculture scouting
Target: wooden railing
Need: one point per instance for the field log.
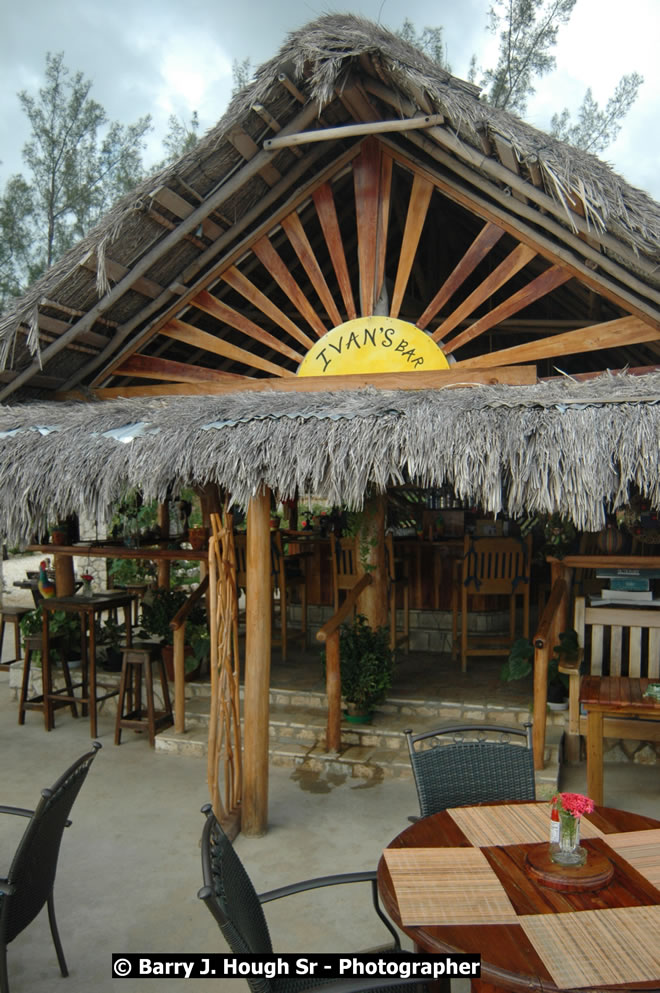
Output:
(552, 623)
(178, 625)
(329, 636)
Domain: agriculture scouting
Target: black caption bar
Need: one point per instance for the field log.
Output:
(199, 966)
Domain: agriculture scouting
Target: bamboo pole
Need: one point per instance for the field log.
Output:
(178, 642)
(254, 820)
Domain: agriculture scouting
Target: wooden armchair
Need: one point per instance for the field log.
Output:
(619, 654)
(344, 553)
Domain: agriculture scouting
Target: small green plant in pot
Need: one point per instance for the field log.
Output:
(366, 667)
(520, 664)
(159, 607)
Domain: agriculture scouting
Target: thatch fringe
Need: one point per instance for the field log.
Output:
(560, 446)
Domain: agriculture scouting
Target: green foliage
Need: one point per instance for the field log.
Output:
(181, 137)
(61, 625)
(595, 129)
(241, 75)
(160, 606)
(429, 40)
(520, 661)
(366, 663)
(78, 164)
(527, 31)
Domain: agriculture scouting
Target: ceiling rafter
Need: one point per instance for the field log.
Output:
(210, 304)
(190, 335)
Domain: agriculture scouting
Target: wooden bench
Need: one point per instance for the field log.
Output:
(620, 654)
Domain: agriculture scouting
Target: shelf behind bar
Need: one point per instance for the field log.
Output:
(121, 552)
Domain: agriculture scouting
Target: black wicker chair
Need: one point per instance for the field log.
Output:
(31, 877)
(236, 906)
(466, 764)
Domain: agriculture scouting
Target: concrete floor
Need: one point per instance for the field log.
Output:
(129, 867)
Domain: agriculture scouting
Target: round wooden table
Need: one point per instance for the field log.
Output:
(509, 961)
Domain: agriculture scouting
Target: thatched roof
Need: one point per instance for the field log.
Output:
(99, 297)
(576, 448)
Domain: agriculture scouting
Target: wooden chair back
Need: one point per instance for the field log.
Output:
(614, 641)
(344, 553)
(493, 566)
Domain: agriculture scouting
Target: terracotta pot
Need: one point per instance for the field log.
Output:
(167, 652)
(197, 538)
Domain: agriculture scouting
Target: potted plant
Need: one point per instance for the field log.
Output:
(109, 638)
(366, 667)
(159, 607)
(521, 661)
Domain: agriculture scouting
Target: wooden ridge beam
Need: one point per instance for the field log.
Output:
(353, 131)
(443, 379)
(612, 334)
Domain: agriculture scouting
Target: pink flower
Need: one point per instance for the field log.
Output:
(575, 803)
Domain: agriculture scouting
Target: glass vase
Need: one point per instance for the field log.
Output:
(569, 851)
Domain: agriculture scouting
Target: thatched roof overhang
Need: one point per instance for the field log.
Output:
(576, 448)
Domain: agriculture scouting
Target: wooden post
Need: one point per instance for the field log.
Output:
(211, 502)
(178, 662)
(333, 690)
(371, 538)
(254, 818)
(64, 577)
(164, 564)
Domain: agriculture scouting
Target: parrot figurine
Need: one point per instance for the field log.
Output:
(45, 585)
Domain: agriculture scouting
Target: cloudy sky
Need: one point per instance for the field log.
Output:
(170, 57)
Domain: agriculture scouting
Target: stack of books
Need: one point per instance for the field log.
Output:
(632, 587)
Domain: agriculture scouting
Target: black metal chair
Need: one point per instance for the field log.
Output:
(465, 764)
(236, 906)
(31, 877)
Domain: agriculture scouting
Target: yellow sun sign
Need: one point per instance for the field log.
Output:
(372, 344)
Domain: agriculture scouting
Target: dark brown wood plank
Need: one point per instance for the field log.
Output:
(189, 335)
(273, 262)
(612, 334)
(420, 198)
(512, 264)
(239, 282)
(545, 283)
(366, 178)
(296, 234)
(489, 235)
(211, 305)
(327, 215)
(386, 166)
(152, 367)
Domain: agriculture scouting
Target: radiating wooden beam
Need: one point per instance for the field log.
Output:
(549, 280)
(240, 282)
(211, 305)
(273, 262)
(189, 335)
(295, 232)
(152, 367)
(489, 235)
(327, 214)
(366, 177)
(512, 264)
(518, 375)
(418, 205)
(386, 168)
(612, 334)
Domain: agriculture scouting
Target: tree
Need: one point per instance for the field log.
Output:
(79, 163)
(527, 31)
(241, 74)
(179, 139)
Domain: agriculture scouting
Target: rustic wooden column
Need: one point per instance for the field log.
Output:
(164, 526)
(371, 538)
(254, 817)
(64, 576)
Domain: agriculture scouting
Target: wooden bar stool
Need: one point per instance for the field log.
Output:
(12, 614)
(34, 643)
(136, 662)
